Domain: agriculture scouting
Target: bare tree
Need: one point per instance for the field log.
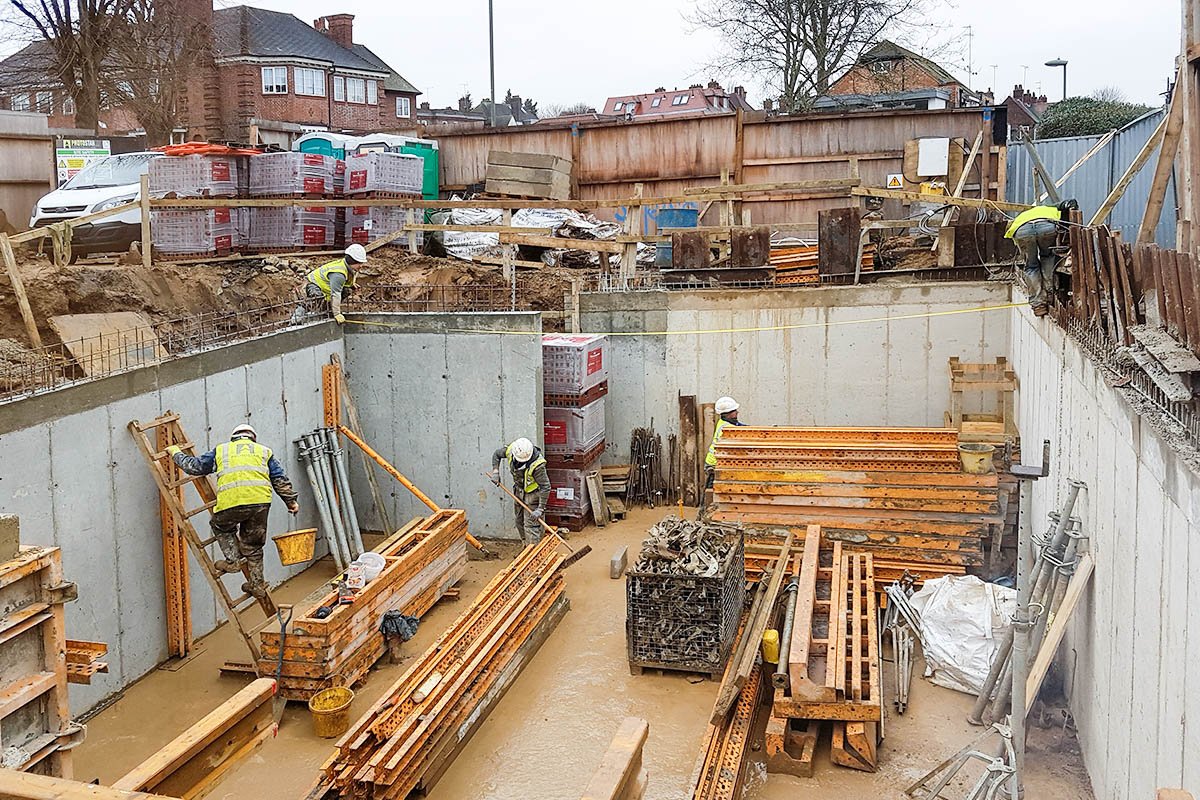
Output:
(1110, 94)
(155, 51)
(78, 34)
(561, 110)
(800, 46)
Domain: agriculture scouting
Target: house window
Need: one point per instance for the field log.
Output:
(679, 99)
(339, 88)
(403, 107)
(274, 80)
(44, 101)
(310, 82)
(356, 90)
(68, 106)
(372, 93)
(881, 67)
(617, 106)
(20, 102)
(656, 103)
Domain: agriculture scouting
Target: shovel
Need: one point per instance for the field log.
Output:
(561, 533)
(278, 702)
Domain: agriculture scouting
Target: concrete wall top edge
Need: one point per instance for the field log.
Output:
(39, 409)
(446, 322)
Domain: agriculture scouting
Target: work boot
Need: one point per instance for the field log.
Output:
(257, 585)
(229, 566)
(232, 561)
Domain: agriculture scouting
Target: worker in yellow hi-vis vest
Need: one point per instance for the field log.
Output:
(330, 281)
(246, 473)
(531, 485)
(1035, 233)
(727, 414)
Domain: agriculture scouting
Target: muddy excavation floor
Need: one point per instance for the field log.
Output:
(547, 735)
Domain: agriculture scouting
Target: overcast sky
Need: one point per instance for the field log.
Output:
(560, 53)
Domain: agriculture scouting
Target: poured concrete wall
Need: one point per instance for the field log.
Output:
(855, 355)
(437, 394)
(1131, 648)
(71, 471)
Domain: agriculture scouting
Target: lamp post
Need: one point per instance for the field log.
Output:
(492, 63)
(1060, 62)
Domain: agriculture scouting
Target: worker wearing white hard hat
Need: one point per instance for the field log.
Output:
(333, 279)
(727, 414)
(531, 484)
(246, 473)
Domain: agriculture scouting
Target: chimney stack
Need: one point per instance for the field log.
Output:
(713, 85)
(768, 105)
(464, 103)
(339, 27)
(514, 105)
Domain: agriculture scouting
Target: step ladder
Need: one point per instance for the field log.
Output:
(163, 471)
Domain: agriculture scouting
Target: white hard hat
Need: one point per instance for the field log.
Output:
(521, 449)
(726, 404)
(357, 253)
(244, 430)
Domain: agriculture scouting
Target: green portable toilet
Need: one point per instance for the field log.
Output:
(429, 152)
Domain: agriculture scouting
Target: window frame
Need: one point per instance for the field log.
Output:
(43, 102)
(20, 102)
(353, 87)
(68, 106)
(339, 88)
(318, 81)
(407, 108)
(618, 107)
(656, 102)
(273, 89)
(372, 92)
(680, 99)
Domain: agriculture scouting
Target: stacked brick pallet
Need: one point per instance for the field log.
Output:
(195, 231)
(292, 227)
(422, 562)
(898, 493)
(381, 174)
(575, 382)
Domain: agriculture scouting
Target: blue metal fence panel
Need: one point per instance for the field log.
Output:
(1092, 182)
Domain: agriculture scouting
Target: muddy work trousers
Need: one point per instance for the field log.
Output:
(313, 302)
(241, 532)
(527, 526)
(1036, 241)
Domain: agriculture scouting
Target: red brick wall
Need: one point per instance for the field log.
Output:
(904, 75)
(387, 111)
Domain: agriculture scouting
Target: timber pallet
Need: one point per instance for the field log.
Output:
(572, 522)
(380, 195)
(575, 460)
(195, 255)
(170, 480)
(297, 250)
(568, 400)
(640, 668)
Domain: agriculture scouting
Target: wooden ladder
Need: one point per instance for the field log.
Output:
(161, 469)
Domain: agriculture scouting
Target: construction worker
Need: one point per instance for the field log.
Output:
(1035, 233)
(246, 472)
(727, 414)
(329, 281)
(531, 485)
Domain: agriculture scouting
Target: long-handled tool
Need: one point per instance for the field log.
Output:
(559, 532)
(279, 702)
(406, 483)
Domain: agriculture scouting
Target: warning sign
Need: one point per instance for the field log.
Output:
(895, 181)
(72, 155)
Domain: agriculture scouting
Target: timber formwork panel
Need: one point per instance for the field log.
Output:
(422, 563)
(898, 493)
(34, 714)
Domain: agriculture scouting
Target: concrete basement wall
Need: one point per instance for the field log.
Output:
(1131, 649)
(437, 394)
(73, 474)
(887, 371)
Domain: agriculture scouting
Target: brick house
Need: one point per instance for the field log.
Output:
(890, 75)
(268, 79)
(1025, 109)
(696, 99)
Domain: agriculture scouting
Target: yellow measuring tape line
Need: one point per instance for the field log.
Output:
(760, 329)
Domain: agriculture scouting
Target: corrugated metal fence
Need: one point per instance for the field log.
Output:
(1092, 182)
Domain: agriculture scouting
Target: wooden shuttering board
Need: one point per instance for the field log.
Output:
(839, 679)
(422, 562)
(102, 343)
(721, 768)
(898, 493)
(620, 775)
(528, 175)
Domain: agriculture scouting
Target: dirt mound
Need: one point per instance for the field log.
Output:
(174, 291)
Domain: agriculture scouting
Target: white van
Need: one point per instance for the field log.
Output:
(110, 182)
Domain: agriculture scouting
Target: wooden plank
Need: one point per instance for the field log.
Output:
(1040, 170)
(420, 226)
(1187, 293)
(750, 188)
(547, 178)
(30, 786)
(1057, 629)
(18, 287)
(1096, 148)
(144, 205)
(596, 499)
(690, 450)
(25, 690)
(940, 199)
(802, 684)
(103, 343)
(560, 189)
(529, 160)
(621, 764)
(839, 233)
(1139, 161)
(560, 243)
(1164, 168)
(1170, 274)
(189, 766)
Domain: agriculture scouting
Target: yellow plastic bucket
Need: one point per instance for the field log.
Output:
(296, 547)
(331, 711)
(976, 458)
